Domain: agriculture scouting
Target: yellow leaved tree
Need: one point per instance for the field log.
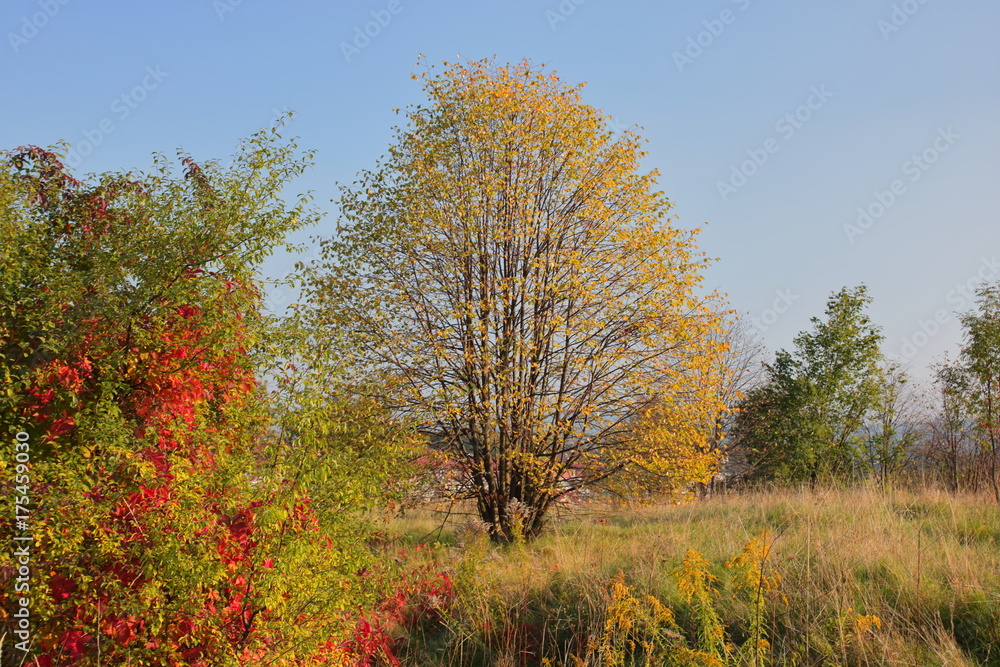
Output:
(509, 278)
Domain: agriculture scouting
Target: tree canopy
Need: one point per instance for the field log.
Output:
(806, 421)
(510, 279)
(980, 365)
(176, 512)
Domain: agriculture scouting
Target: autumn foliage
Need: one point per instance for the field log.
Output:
(168, 527)
(507, 291)
(509, 278)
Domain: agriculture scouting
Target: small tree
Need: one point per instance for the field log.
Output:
(510, 279)
(980, 359)
(807, 421)
(894, 426)
(949, 442)
(741, 370)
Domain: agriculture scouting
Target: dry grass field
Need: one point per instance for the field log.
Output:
(854, 577)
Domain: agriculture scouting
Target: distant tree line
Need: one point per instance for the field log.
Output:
(836, 409)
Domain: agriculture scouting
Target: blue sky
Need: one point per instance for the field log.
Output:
(823, 143)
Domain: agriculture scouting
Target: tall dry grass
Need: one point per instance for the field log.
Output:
(858, 577)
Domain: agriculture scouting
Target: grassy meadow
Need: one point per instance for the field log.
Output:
(847, 577)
